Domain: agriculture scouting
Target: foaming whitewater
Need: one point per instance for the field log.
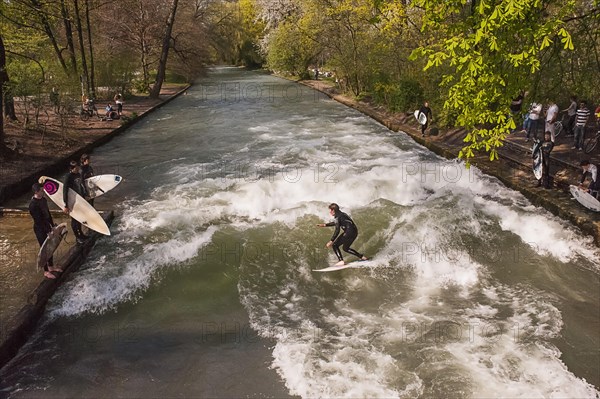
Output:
(451, 304)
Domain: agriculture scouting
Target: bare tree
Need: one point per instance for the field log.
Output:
(164, 54)
(91, 48)
(69, 35)
(84, 68)
(3, 79)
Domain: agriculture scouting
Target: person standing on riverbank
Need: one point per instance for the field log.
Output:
(534, 117)
(74, 182)
(42, 224)
(119, 102)
(349, 233)
(546, 149)
(425, 110)
(591, 170)
(571, 111)
(581, 119)
(515, 107)
(551, 116)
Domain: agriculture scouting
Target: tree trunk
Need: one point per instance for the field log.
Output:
(9, 107)
(84, 68)
(3, 79)
(89, 33)
(144, 47)
(50, 34)
(162, 63)
(69, 35)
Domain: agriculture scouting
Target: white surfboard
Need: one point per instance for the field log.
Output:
(51, 244)
(538, 158)
(81, 210)
(350, 265)
(101, 184)
(421, 117)
(585, 198)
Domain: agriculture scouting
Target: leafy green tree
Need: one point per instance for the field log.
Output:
(291, 50)
(491, 48)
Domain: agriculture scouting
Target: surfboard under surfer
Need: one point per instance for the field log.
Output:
(349, 230)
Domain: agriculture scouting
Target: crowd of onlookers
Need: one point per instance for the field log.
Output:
(576, 118)
(111, 113)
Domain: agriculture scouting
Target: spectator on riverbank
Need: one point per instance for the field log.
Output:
(534, 117)
(571, 111)
(590, 170)
(119, 102)
(581, 120)
(516, 105)
(55, 100)
(546, 149)
(425, 110)
(109, 112)
(551, 116)
(88, 103)
(73, 181)
(42, 224)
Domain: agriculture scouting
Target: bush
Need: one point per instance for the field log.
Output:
(172, 77)
(402, 96)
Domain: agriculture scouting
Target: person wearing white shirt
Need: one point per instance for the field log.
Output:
(534, 117)
(551, 116)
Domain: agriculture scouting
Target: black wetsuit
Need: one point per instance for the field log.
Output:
(427, 112)
(74, 182)
(349, 234)
(42, 222)
(86, 172)
(546, 149)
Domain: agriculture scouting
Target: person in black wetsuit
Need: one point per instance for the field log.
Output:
(590, 170)
(86, 171)
(74, 182)
(42, 224)
(546, 147)
(349, 233)
(425, 110)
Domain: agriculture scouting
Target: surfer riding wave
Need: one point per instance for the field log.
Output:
(349, 233)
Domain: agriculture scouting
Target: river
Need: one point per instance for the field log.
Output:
(205, 287)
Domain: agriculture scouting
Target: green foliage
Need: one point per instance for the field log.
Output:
(116, 71)
(175, 78)
(139, 86)
(492, 47)
(290, 50)
(404, 95)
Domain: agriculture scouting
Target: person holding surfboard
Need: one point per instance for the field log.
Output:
(86, 171)
(546, 148)
(349, 233)
(591, 170)
(74, 182)
(425, 110)
(42, 224)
